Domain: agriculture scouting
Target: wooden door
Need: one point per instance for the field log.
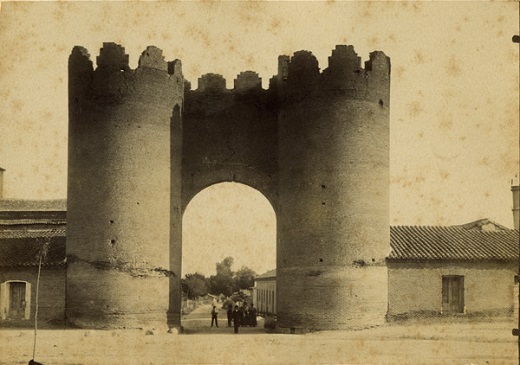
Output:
(453, 294)
(17, 300)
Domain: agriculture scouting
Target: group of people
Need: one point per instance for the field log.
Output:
(240, 316)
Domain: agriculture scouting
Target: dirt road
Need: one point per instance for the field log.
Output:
(456, 343)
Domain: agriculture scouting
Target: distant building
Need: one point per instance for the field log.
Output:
(25, 227)
(466, 269)
(264, 293)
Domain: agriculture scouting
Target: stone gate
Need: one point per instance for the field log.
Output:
(142, 144)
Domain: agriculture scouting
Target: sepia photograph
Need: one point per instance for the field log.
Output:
(260, 182)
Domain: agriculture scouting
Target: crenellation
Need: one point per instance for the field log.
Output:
(283, 67)
(175, 67)
(246, 81)
(344, 71)
(153, 57)
(378, 63)
(113, 81)
(211, 82)
(303, 72)
(81, 69)
(345, 59)
(378, 85)
(112, 56)
(79, 59)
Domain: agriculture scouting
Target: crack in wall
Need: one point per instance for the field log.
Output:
(125, 267)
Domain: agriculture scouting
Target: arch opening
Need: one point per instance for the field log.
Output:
(225, 220)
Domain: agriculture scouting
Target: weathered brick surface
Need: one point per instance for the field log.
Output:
(333, 217)
(331, 297)
(416, 288)
(119, 187)
(230, 136)
(315, 144)
(51, 293)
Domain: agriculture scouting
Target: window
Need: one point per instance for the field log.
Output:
(453, 294)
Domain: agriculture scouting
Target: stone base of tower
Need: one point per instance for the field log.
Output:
(174, 320)
(101, 297)
(331, 298)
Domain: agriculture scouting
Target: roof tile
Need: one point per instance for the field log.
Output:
(452, 243)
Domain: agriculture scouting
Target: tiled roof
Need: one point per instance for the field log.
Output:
(267, 275)
(32, 205)
(28, 221)
(452, 243)
(21, 248)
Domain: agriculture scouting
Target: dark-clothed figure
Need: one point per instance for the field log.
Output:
(229, 314)
(237, 318)
(214, 315)
(252, 314)
(245, 315)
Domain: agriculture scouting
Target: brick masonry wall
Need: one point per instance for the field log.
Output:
(417, 288)
(316, 145)
(51, 294)
(119, 187)
(333, 221)
(229, 135)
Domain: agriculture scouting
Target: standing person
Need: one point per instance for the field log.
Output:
(252, 313)
(229, 314)
(237, 318)
(245, 314)
(214, 315)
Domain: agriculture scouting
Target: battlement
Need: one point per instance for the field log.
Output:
(114, 80)
(112, 56)
(301, 74)
(298, 75)
(211, 82)
(215, 83)
(248, 80)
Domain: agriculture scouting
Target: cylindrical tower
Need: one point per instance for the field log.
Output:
(119, 187)
(333, 220)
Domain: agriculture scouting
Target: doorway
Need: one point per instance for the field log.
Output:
(17, 301)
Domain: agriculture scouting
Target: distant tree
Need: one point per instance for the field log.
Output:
(195, 285)
(244, 278)
(222, 282)
(224, 267)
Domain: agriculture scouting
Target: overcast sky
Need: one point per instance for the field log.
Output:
(454, 93)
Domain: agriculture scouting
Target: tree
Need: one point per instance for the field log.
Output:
(220, 284)
(195, 285)
(244, 278)
(224, 267)
(223, 283)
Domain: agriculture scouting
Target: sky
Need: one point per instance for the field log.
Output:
(454, 129)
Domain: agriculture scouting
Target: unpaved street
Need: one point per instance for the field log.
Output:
(461, 343)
